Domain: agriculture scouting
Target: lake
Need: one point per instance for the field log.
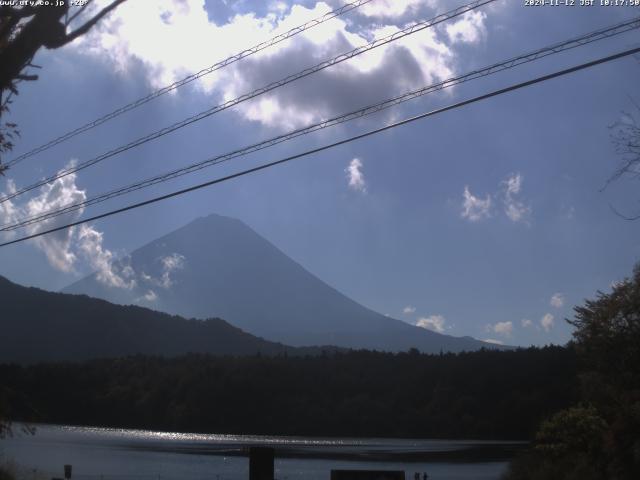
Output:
(115, 454)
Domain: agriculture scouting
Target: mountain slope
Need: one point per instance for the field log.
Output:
(218, 266)
(40, 326)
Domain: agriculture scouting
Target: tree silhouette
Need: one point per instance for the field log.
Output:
(23, 31)
(600, 438)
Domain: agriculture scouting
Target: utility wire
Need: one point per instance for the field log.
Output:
(431, 113)
(591, 37)
(169, 88)
(272, 86)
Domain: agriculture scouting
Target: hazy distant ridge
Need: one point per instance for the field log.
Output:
(219, 267)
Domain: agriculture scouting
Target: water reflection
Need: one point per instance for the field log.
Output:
(119, 454)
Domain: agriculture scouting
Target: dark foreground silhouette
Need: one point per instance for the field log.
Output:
(39, 326)
(485, 394)
(599, 436)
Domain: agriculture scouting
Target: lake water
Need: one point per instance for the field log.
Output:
(112, 454)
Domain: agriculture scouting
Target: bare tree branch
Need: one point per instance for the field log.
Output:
(23, 32)
(26, 77)
(621, 215)
(625, 136)
(89, 24)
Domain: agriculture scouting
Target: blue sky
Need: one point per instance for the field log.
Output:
(486, 221)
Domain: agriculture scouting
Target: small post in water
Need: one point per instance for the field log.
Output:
(261, 463)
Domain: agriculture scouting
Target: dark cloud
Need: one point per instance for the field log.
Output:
(336, 89)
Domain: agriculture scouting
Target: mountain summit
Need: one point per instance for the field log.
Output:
(219, 267)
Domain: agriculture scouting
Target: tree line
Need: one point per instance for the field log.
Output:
(484, 394)
(598, 437)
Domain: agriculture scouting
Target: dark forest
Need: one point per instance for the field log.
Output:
(485, 394)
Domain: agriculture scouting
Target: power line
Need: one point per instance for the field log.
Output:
(272, 86)
(494, 93)
(591, 37)
(162, 91)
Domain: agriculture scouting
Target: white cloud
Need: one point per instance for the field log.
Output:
(515, 210)
(170, 264)
(514, 184)
(163, 277)
(172, 39)
(150, 296)
(56, 246)
(469, 29)
(474, 208)
(355, 176)
(65, 248)
(526, 323)
(557, 300)
(390, 8)
(9, 213)
(278, 7)
(501, 328)
(102, 260)
(408, 310)
(547, 322)
(11, 186)
(434, 322)
(494, 341)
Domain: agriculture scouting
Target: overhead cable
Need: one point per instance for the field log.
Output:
(195, 76)
(588, 38)
(431, 113)
(260, 91)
